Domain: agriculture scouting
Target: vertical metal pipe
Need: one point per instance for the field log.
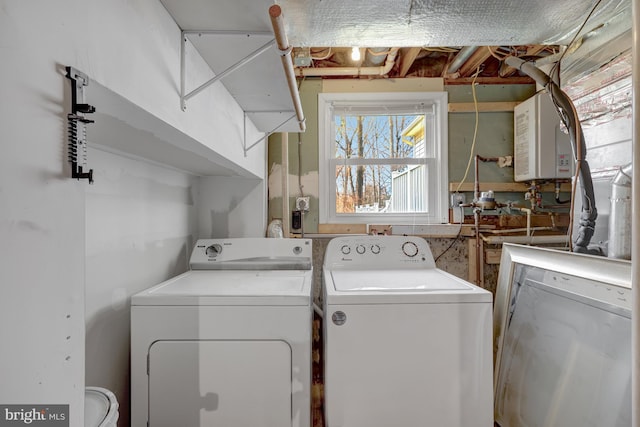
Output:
(275, 13)
(635, 227)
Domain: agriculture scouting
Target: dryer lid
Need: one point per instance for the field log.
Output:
(231, 287)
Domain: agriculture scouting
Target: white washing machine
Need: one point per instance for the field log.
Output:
(406, 344)
(227, 343)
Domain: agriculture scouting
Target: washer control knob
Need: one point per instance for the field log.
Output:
(345, 249)
(375, 249)
(410, 249)
(360, 249)
(213, 250)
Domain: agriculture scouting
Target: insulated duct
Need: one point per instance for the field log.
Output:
(463, 56)
(569, 116)
(619, 245)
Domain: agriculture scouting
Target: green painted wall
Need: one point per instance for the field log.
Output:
(494, 138)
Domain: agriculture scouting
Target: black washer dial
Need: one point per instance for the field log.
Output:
(213, 250)
(410, 249)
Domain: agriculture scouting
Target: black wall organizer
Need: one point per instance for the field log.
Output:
(77, 125)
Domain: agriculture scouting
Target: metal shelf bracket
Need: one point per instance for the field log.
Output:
(184, 97)
(266, 135)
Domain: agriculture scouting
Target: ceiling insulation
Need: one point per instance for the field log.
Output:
(380, 23)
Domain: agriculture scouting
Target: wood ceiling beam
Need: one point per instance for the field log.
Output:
(407, 58)
(477, 59)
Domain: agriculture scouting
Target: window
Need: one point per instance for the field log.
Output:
(383, 158)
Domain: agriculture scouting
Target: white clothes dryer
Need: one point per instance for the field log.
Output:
(227, 343)
(406, 344)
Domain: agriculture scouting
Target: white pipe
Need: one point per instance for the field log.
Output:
(286, 218)
(518, 230)
(526, 240)
(635, 227)
(352, 71)
(318, 310)
(275, 13)
(528, 211)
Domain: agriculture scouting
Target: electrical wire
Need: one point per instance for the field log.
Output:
(455, 239)
(593, 9)
(495, 55)
(386, 52)
(322, 57)
(475, 130)
(300, 186)
(441, 49)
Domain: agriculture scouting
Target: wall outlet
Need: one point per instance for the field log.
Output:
(457, 199)
(302, 204)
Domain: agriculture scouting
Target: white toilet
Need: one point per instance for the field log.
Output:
(100, 408)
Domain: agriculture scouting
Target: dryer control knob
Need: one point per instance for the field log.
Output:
(410, 249)
(213, 250)
(375, 249)
(360, 249)
(345, 249)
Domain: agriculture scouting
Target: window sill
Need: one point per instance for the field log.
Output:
(425, 230)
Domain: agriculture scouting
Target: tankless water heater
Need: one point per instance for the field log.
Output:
(542, 150)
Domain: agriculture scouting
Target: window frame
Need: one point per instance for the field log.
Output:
(437, 166)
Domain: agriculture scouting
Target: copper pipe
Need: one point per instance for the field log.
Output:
(275, 13)
(476, 190)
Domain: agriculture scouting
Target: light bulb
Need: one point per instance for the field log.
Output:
(355, 53)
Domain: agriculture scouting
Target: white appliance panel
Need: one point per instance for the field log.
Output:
(251, 254)
(409, 365)
(225, 383)
(542, 150)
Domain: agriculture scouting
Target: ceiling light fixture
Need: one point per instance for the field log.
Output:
(355, 53)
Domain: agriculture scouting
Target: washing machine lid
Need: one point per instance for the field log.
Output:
(399, 286)
(231, 287)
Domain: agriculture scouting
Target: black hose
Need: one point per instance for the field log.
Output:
(565, 109)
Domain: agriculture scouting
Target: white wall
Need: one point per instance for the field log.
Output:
(231, 207)
(140, 229)
(132, 48)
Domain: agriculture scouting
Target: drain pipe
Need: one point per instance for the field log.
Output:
(589, 212)
(275, 13)
(381, 70)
